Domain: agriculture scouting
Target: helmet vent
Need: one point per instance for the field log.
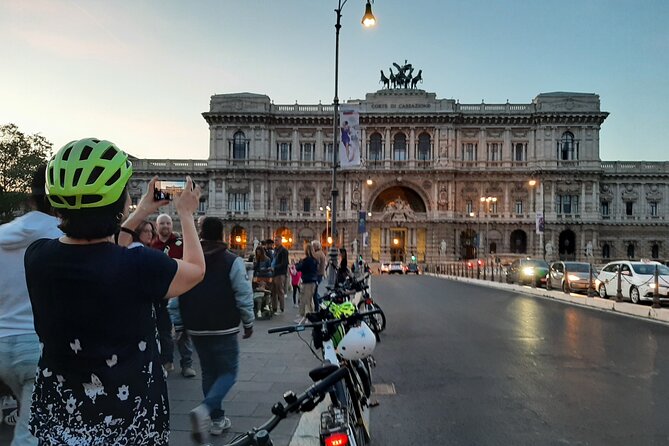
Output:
(51, 175)
(109, 154)
(77, 175)
(62, 178)
(85, 153)
(71, 201)
(96, 141)
(56, 199)
(66, 153)
(114, 178)
(95, 174)
(90, 199)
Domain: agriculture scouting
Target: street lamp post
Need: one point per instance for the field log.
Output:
(487, 201)
(532, 183)
(367, 20)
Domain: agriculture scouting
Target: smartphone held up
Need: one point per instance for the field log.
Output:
(167, 190)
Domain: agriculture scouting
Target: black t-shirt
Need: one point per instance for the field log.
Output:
(99, 375)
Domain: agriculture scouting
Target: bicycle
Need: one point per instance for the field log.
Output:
(350, 290)
(329, 376)
(348, 413)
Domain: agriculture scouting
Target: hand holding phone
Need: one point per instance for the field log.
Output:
(167, 190)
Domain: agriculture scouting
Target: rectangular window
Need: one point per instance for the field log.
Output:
(202, 206)
(328, 153)
(605, 208)
(653, 209)
(307, 152)
(493, 207)
(519, 207)
(238, 202)
(519, 151)
(469, 151)
(568, 204)
(494, 151)
(283, 151)
(470, 207)
(283, 205)
(629, 208)
(306, 205)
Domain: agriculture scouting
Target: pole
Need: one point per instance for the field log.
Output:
(335, 154)
(619, 290)
(542, 237)
(656, 290)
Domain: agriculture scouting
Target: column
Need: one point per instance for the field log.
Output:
(387, 145)
(411, 153)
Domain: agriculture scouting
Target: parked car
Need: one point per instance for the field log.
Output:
(637, 280)
(527, 271)
(396, 268)
(385, 268)
(413, 268)
(576, 279)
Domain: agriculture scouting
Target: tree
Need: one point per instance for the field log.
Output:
(20, 155)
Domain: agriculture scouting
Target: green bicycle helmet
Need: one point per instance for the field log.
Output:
(88, 173)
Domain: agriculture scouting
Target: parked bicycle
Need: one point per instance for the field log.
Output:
(358, 292)
(346, 341)
(328, 376)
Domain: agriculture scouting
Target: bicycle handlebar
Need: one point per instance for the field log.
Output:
(295, 328)
(305, 402)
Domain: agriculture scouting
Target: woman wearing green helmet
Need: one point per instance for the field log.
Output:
(99, 379)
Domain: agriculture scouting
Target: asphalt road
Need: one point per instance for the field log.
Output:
(475, 366)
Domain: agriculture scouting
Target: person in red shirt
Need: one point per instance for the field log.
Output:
(168, 242)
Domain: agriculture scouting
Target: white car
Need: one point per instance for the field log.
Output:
(637, 280)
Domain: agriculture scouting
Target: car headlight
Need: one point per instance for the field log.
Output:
(528, 271)
(651, 286)
(573, 278)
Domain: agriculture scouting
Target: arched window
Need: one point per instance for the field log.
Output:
(424, 147)
(655, 251)
(493, 248)
(239, 146)
(518, 242)
(630, 251)
(606, 251)
(400, 147)
(238, 238)
(567, 147)
(286, 237)
(375, 147)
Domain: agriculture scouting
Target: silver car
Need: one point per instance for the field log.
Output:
(571, 276)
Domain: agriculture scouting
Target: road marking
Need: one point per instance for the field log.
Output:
(384, 389)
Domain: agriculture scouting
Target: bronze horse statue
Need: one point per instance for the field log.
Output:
(384, 80)
(419, 77)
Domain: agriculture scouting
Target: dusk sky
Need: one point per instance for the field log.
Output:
(140, 73)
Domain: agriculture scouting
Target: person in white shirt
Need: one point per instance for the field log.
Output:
(19, 346)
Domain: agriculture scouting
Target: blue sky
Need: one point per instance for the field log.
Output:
(140, 73)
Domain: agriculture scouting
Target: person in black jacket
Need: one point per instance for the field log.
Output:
(308, 266)
(211, 314)
(279, 273)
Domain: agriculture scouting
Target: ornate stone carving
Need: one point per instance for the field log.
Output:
(398, 210)
(653, 194)
(605, 192)
(629, 194)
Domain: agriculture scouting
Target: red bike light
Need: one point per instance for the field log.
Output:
(338, 439)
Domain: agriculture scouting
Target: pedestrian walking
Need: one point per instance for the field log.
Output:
(168, 312)
(19, 346)
(99, 380)
(295, 280)
(279, 273)
(211, 313)
(321, 258)
(308, 266)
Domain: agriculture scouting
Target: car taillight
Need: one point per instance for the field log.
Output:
(338, 439)
(368, 301)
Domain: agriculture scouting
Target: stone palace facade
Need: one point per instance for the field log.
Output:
(439, 180)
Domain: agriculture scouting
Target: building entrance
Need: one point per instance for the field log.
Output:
(398, 244)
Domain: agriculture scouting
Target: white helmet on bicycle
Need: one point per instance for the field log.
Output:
(357, 343)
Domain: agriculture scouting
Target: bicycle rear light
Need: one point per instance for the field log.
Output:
(338, 439)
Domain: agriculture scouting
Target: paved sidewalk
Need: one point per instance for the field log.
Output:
(269, 365)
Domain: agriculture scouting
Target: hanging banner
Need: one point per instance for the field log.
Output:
(540, 223)
(349, 141)
(362, 222)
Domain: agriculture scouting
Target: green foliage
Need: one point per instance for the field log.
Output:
(20, 155)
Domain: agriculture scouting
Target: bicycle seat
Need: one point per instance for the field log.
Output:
(322, 372)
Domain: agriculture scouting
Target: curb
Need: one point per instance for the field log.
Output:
(658, 315)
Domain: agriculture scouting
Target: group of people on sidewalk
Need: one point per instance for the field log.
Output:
(85, 332)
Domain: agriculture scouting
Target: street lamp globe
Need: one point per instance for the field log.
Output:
(368, 19)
